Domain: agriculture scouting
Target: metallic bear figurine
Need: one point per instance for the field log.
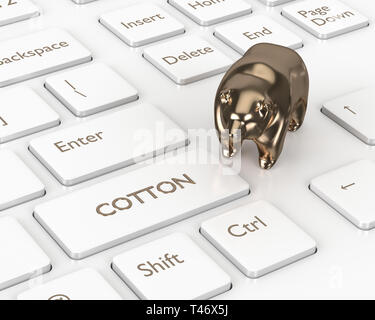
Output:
(261, 97)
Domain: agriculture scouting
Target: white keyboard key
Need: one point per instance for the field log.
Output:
(355, 112)
(23, 112)
(171, 268)
(91, 89)
(108, 143)
(208, 12)
(39, 53)
(17, 10)
(188, 59)
(325, 18)
(350, 190)
(258, 238)
(18, 183)
(21, 258)
(118, 210)
(141, 24)
(85, 284)
(272, 3)
(243, 34)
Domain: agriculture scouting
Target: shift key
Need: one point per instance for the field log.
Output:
(39, 53)
(96, 147)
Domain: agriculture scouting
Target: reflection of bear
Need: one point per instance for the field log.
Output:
(262, 96)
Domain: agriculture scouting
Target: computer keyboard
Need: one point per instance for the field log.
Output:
(90, 212)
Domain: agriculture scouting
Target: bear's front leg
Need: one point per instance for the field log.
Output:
(271, 144)
(266, 162)
(267, 157)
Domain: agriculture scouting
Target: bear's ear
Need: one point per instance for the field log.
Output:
(226, 97)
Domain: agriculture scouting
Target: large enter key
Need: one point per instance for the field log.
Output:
(108, 143)
(39, 53)
(107, 214)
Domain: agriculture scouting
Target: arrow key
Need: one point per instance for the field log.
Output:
(355, 113)
(349, 190)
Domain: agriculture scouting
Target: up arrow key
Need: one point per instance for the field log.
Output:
(354, 113)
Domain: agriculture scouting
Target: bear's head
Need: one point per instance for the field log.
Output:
(243, 106)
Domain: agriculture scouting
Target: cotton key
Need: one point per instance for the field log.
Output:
(350, 190)
(107, 143)
(243, 34)
(18, 183)
(258, 238)
(21, 258)
(91, 89)
(171, 268)
(208, 12)
(93, 219)
(141, 24)
(188, 59)
(85, 284)
(17, 10)
(23, 112)
(325, 18)
(355, 112)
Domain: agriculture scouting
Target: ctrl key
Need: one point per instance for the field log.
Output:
(171, 268)
(258, 238)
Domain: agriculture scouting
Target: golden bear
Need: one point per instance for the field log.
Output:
(261, 97)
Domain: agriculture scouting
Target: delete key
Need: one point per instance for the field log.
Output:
(188, 59)
(325, 18)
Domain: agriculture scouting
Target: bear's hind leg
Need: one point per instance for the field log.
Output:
(299, 81)
(298, 115)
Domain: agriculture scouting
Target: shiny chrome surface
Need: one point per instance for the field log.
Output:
(260, 98)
